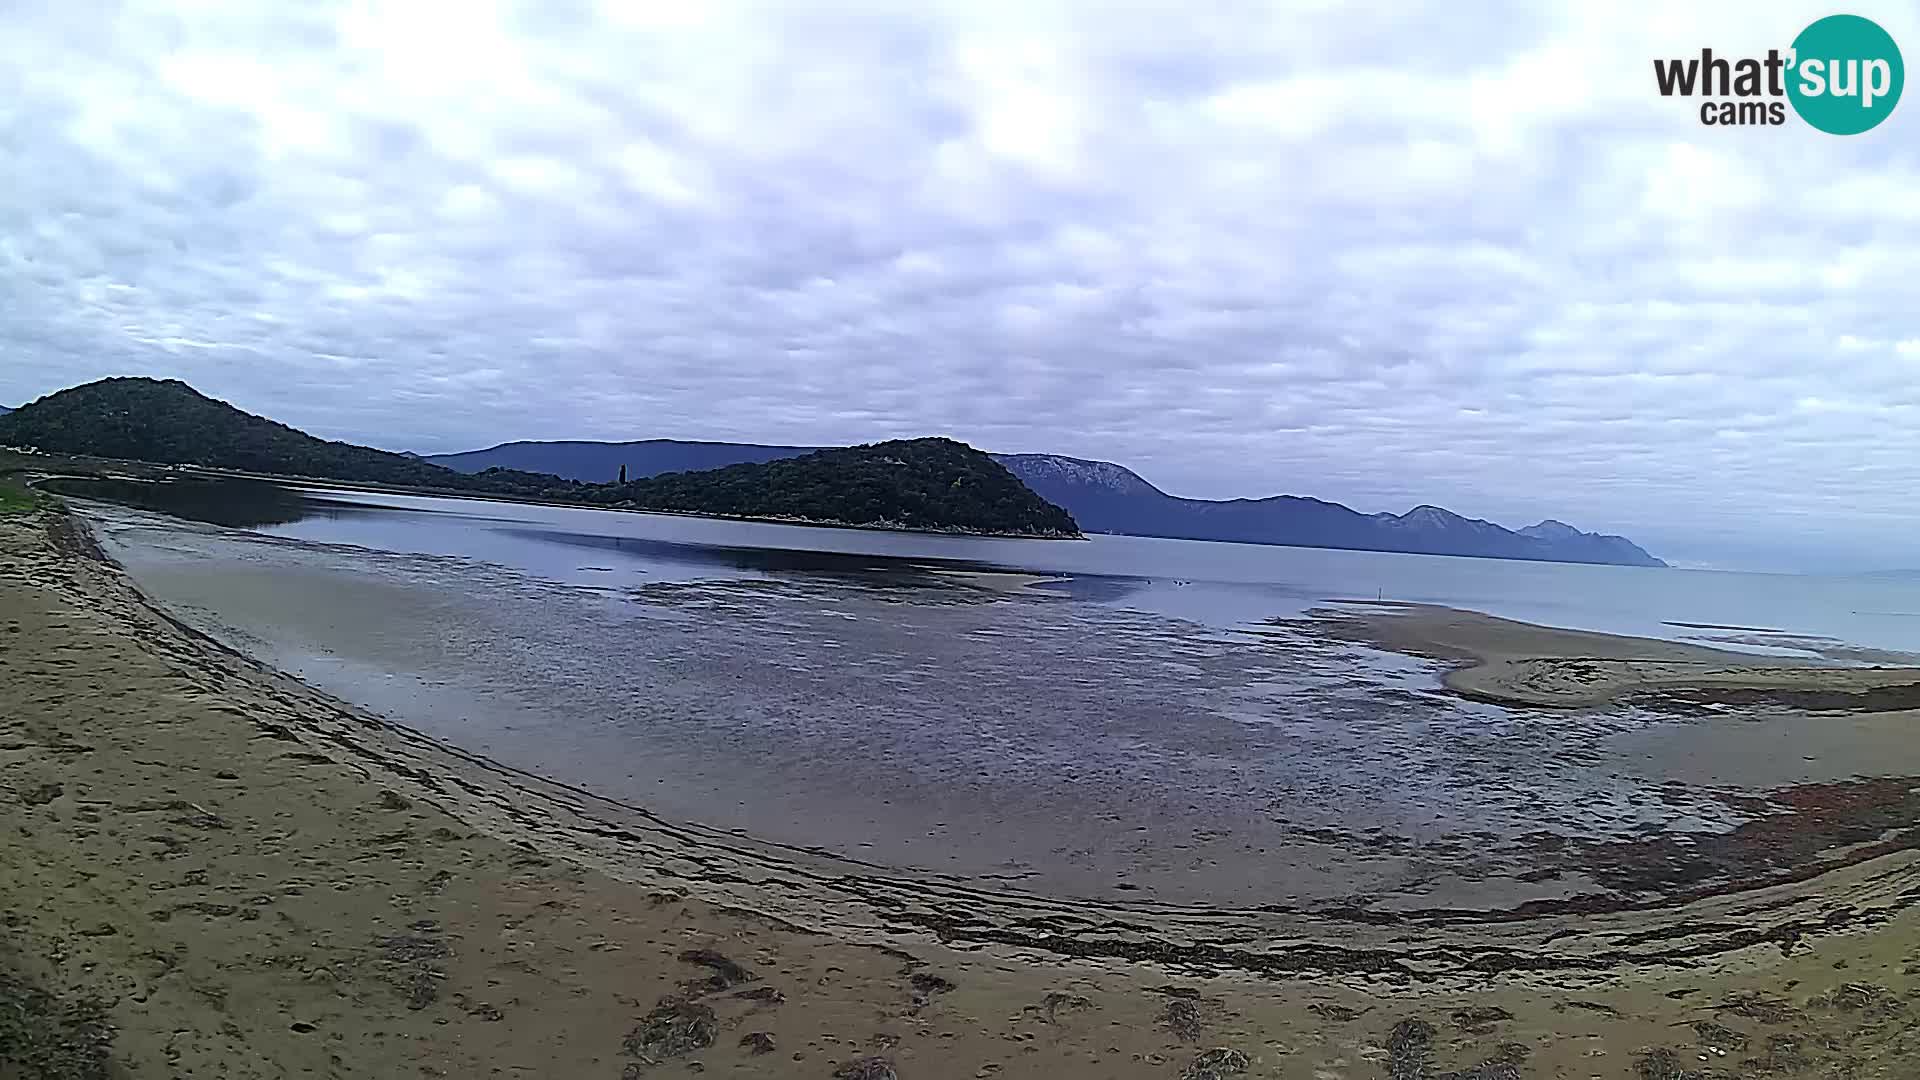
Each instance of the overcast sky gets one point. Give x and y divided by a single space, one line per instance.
1383 253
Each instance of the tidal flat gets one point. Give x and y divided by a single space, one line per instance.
231 869
938 723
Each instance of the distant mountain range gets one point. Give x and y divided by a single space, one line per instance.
600 462
1104 497
925 483
4 410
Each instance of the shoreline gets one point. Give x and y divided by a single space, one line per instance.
1504 662
1258 973
1481 673
165 472
1353 867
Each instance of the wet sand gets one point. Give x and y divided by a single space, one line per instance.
1513 663
1031 739
241 876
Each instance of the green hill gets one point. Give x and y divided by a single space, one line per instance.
910 483
920 483
171 423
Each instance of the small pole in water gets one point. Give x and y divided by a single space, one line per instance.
1379 592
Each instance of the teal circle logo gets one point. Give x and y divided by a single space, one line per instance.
1847 75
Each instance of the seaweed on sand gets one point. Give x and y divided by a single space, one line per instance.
727 973
675 1026
869 1068
43 1035
1215 1064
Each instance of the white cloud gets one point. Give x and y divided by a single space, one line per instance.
1379 253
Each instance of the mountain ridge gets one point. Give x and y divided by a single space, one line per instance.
168 422
594 462
1104 496
1101 499
928 484
933 484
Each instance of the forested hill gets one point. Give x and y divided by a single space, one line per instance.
169 422
921 483
928 483
1105 497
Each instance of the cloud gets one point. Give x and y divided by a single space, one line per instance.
1378 253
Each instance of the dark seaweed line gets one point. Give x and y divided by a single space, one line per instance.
1096 941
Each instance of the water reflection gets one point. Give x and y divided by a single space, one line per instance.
240 504
773 560
1215 584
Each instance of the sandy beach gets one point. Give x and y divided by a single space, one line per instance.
215 870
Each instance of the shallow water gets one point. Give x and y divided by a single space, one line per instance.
1100 736
1217 584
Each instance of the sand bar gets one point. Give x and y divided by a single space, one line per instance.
1514 663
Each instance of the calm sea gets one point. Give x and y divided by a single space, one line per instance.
1218 584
